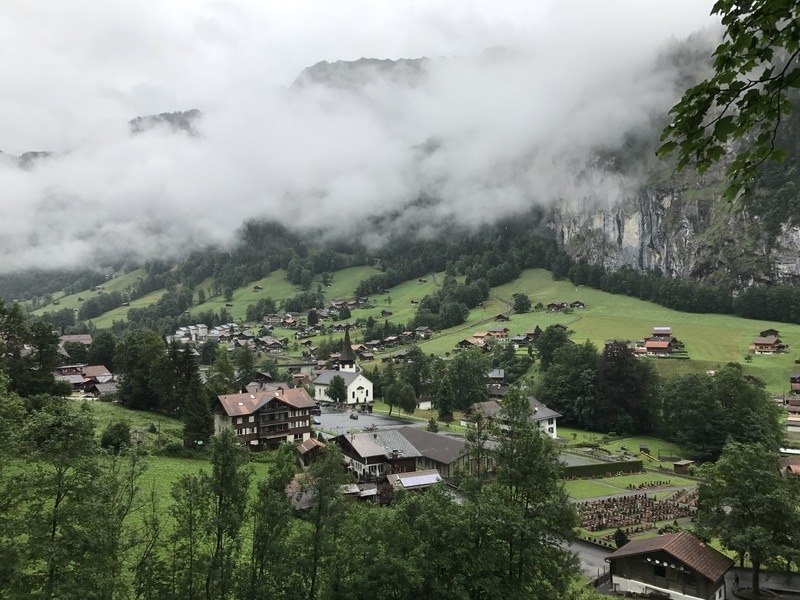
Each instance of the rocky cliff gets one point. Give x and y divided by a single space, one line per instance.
685 232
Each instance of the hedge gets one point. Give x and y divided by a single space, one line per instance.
603 469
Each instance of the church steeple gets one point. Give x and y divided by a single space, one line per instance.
347 359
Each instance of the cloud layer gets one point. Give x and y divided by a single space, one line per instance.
507 112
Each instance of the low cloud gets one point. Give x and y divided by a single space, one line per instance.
509 110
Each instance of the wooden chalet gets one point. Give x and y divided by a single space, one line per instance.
268 418
378 454
498 333
556 306
676 565
769 332
770 344
501 318
794 383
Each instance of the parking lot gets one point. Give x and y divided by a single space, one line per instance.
336 422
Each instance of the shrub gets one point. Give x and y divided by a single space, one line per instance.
116 437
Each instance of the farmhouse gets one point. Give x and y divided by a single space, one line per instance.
676 565
444 453
359 388
541 415
770 344
498 333
267 419
661 343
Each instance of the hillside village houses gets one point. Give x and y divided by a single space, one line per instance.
542 416
359 388
767 342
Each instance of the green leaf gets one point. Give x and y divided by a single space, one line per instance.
724 127
666 149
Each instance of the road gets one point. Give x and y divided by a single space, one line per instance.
592 558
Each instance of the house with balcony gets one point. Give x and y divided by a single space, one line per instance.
266 419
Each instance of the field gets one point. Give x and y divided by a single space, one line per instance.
711 340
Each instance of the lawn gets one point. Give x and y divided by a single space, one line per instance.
576 438
140 421
581 489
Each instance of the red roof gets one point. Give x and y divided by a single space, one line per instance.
656 344
237 405
686 548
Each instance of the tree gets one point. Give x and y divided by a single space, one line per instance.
466 374
570 384
201 296
116 437
102 350
312 318
77 352
222 375
747 96
401 394
620 537
136 357
626 391
522 303
745 502
337 389
244 361
550 340
198 422
443 397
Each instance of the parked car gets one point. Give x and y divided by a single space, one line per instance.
354 415
316 421
316 411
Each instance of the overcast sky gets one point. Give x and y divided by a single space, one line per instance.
512 124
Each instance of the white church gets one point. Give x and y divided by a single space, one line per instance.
359 388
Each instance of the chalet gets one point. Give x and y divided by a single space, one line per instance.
676 565
471 343
502 318
556 306
266 419
770 344
309 449
273 319
359 388
80 338
423 332
655 347
376 454
98 389
416 481
532 336
519 341
544 417
497 390
577 304
496 376
662 331
794 383
769 332
83 377
480 336
498 333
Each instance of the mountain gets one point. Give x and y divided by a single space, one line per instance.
183 121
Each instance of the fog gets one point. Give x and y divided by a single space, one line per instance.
507 111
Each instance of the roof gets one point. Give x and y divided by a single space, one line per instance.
95 371
381 443
656 344
662 330
686 548
81 338
768 340
328 374
415 479
309 445
539 410
236 405
497 374
347 355
435 446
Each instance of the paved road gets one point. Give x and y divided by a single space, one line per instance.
592 558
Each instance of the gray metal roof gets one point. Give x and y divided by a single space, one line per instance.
382 443
435 446
328 374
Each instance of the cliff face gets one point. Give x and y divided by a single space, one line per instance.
686 233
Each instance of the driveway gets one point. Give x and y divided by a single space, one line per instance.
334 422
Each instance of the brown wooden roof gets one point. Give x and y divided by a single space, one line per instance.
686 548
237 405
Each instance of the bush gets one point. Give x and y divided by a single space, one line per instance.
152 428
116 437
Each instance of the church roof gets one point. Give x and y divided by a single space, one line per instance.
347 355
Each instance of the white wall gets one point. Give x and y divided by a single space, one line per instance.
620 584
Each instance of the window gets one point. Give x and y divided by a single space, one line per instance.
366 394
252 418
354 394
298 437
240 420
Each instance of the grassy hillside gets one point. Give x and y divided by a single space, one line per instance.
711 340
117 284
